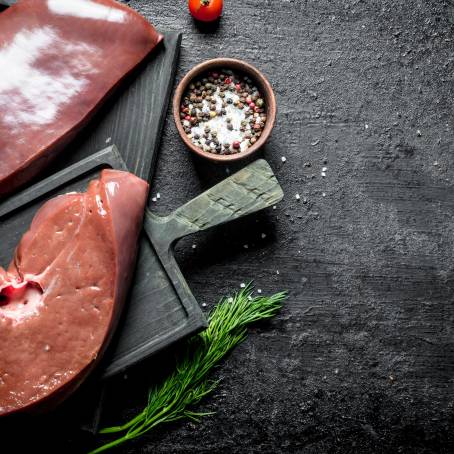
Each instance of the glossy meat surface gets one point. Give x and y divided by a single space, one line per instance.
62 294
59 60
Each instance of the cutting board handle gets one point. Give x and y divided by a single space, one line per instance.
251 189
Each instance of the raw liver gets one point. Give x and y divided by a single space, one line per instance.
59 60
63 292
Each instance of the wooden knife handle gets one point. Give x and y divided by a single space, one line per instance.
251 189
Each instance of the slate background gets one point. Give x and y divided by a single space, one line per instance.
361 358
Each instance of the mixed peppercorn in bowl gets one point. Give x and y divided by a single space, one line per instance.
224 109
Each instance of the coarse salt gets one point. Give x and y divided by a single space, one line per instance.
297 196
283 159
242 285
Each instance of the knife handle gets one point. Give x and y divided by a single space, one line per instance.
251 189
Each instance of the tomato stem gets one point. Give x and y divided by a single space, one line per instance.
204 2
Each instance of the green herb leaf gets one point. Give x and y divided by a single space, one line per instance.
189 383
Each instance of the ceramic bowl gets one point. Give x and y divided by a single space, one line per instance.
241 67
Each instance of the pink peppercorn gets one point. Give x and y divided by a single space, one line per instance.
187 117
236 144
238 87
252 105
228 80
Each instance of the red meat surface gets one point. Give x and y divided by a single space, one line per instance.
59 60
62 294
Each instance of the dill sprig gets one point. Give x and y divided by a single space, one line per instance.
175 398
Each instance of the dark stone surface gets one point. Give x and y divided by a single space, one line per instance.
361 359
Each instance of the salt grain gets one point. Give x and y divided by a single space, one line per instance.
263 235
323 174
242 285
259 290
158 195
204 304
324 169
283 159
194 246
297 196
154 199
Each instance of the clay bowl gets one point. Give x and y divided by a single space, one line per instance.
241 67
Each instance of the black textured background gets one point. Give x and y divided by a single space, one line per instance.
361 358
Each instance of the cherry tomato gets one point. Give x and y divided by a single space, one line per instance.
205 10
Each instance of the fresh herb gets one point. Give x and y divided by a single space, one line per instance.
175 398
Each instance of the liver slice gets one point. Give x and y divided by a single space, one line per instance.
59 60
63 292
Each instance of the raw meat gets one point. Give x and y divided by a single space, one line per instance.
62 294
59 60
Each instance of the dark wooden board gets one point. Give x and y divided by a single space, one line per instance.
161 308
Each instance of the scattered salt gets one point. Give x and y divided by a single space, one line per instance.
204 304
154 199
418 132
297 196
242 285
158 195
274 207
324 169
366 126
277 271
245 246
283 159
259 290
108 139
323 194
263 235
194 246
323 174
